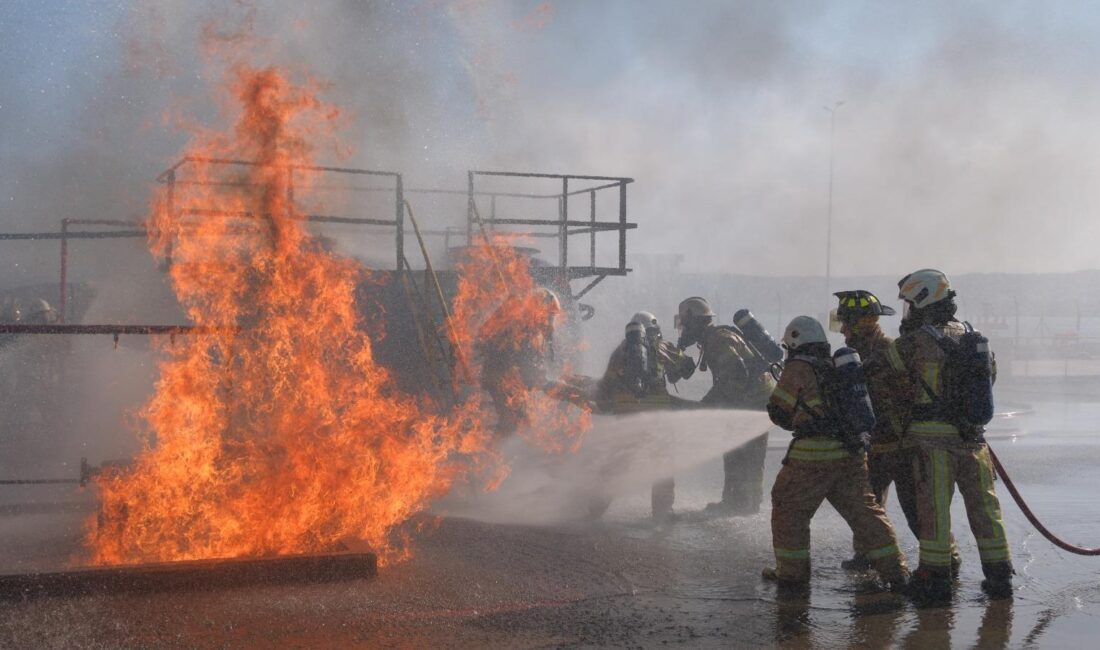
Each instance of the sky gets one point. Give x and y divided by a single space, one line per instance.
966 140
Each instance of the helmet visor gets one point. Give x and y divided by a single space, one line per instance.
677 323
835 324
905 309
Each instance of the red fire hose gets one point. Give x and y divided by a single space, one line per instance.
1054 539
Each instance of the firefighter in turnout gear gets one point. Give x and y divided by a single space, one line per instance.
890 457
824 462
740 379
640 369
951 450
636 380
513 362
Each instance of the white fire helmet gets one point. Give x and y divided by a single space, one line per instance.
803 330
551 299
924 287
645 319
694 307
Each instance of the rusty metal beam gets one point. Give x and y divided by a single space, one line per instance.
190 575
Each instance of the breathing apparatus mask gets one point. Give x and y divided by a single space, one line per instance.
689 330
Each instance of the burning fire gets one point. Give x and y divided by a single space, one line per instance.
279 433
499 311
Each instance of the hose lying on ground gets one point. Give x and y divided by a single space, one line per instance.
1054 539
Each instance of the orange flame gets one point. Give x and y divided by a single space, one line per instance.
280 433
499 313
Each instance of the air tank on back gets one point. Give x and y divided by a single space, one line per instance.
757 336
849 393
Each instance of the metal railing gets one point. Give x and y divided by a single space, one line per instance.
563 227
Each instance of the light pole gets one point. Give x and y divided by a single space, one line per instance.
829 218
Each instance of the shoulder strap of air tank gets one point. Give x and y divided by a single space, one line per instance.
931 331
745 339
818 365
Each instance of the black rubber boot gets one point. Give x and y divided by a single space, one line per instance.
901 585
857 562
998 579
786 588
930 586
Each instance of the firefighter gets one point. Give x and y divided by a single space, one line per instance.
515 358
889 459
739 380
822 463
641 367
636 380
10 311
40 312
950 450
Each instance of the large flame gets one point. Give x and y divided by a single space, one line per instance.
499 310
279 433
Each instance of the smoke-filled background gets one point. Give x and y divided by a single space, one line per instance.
964 141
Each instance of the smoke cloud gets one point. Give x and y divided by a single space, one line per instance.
964 140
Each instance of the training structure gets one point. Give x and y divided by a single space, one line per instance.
554 209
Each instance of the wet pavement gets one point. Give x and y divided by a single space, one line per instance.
620 582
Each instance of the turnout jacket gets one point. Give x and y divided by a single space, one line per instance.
739 376
617 390
890 392
796 405
919 361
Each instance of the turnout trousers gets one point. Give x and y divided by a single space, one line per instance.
840 478
743 469
895 465
938 468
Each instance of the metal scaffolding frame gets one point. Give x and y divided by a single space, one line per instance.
561 228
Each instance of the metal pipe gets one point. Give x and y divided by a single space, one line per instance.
605 225
59 328
399 219
320 218
409 190
118 234
470 207
592 220
563 229
63 297
170 205
251 163
597 188
616 179
622 224
102 222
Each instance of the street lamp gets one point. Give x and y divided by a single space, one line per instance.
829 219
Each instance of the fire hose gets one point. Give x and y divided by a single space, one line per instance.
1054 539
